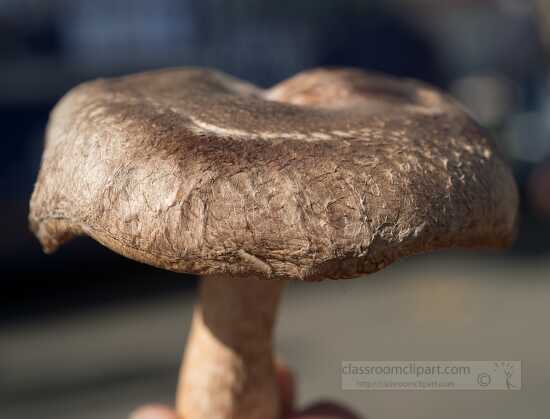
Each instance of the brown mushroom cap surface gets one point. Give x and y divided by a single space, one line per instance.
330 174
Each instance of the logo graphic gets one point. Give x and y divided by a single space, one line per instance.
508 369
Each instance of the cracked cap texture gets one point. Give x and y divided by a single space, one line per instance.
330 174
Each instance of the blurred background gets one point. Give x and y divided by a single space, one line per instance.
86 333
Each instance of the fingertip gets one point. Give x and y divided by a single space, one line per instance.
285 381
326 410
153 411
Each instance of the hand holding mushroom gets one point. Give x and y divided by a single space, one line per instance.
330 174
285 383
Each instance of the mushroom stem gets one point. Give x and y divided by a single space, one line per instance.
228 368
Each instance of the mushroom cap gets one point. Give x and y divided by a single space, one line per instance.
330 174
